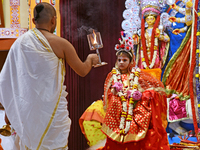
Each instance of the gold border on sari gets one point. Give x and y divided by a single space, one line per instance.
130 137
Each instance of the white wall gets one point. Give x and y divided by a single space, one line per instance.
24 13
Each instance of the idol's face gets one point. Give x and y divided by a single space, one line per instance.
150 20
123 63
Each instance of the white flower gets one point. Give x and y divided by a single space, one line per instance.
130 110
128 124
154 57
138 69
124 106
122 121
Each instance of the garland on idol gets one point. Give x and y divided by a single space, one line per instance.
154 57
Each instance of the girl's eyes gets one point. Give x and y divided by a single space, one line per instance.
124 60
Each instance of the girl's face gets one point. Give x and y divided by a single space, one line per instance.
123 63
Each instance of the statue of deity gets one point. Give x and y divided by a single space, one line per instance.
150 42
153 42
161 37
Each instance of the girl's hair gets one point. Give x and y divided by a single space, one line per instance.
125 53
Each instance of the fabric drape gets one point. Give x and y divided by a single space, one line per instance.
104 16
176 79
31 61
147 129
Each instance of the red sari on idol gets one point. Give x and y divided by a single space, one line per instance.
147 129
176 75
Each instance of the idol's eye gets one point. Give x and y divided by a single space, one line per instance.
119 60
124 60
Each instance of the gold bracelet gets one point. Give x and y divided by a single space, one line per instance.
178 20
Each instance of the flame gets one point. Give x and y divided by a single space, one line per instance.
95 37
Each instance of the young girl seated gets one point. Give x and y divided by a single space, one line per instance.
135 106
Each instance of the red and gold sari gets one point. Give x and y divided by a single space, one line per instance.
176 75
147 129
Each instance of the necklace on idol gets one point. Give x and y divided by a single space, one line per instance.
153 47
153 60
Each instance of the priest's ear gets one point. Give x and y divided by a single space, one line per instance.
53 20
33 19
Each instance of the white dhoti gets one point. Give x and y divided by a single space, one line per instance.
33 95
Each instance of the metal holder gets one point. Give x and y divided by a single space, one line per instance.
95 43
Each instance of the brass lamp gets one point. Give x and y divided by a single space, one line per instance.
5 130
95 43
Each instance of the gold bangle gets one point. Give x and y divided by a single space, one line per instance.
178 20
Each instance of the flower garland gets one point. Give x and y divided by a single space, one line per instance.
130 93
153 60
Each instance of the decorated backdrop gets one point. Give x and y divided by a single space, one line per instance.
77 17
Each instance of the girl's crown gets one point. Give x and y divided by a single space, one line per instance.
126 44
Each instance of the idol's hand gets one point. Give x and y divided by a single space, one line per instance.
135 39
157 32
189 4
173 6
176 31
172 19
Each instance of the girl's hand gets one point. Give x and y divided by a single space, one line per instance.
113 90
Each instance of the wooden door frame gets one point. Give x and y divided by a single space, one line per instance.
2 24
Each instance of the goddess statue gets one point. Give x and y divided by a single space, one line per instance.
151 40
153 46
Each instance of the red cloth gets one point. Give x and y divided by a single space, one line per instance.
149 118
1 148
